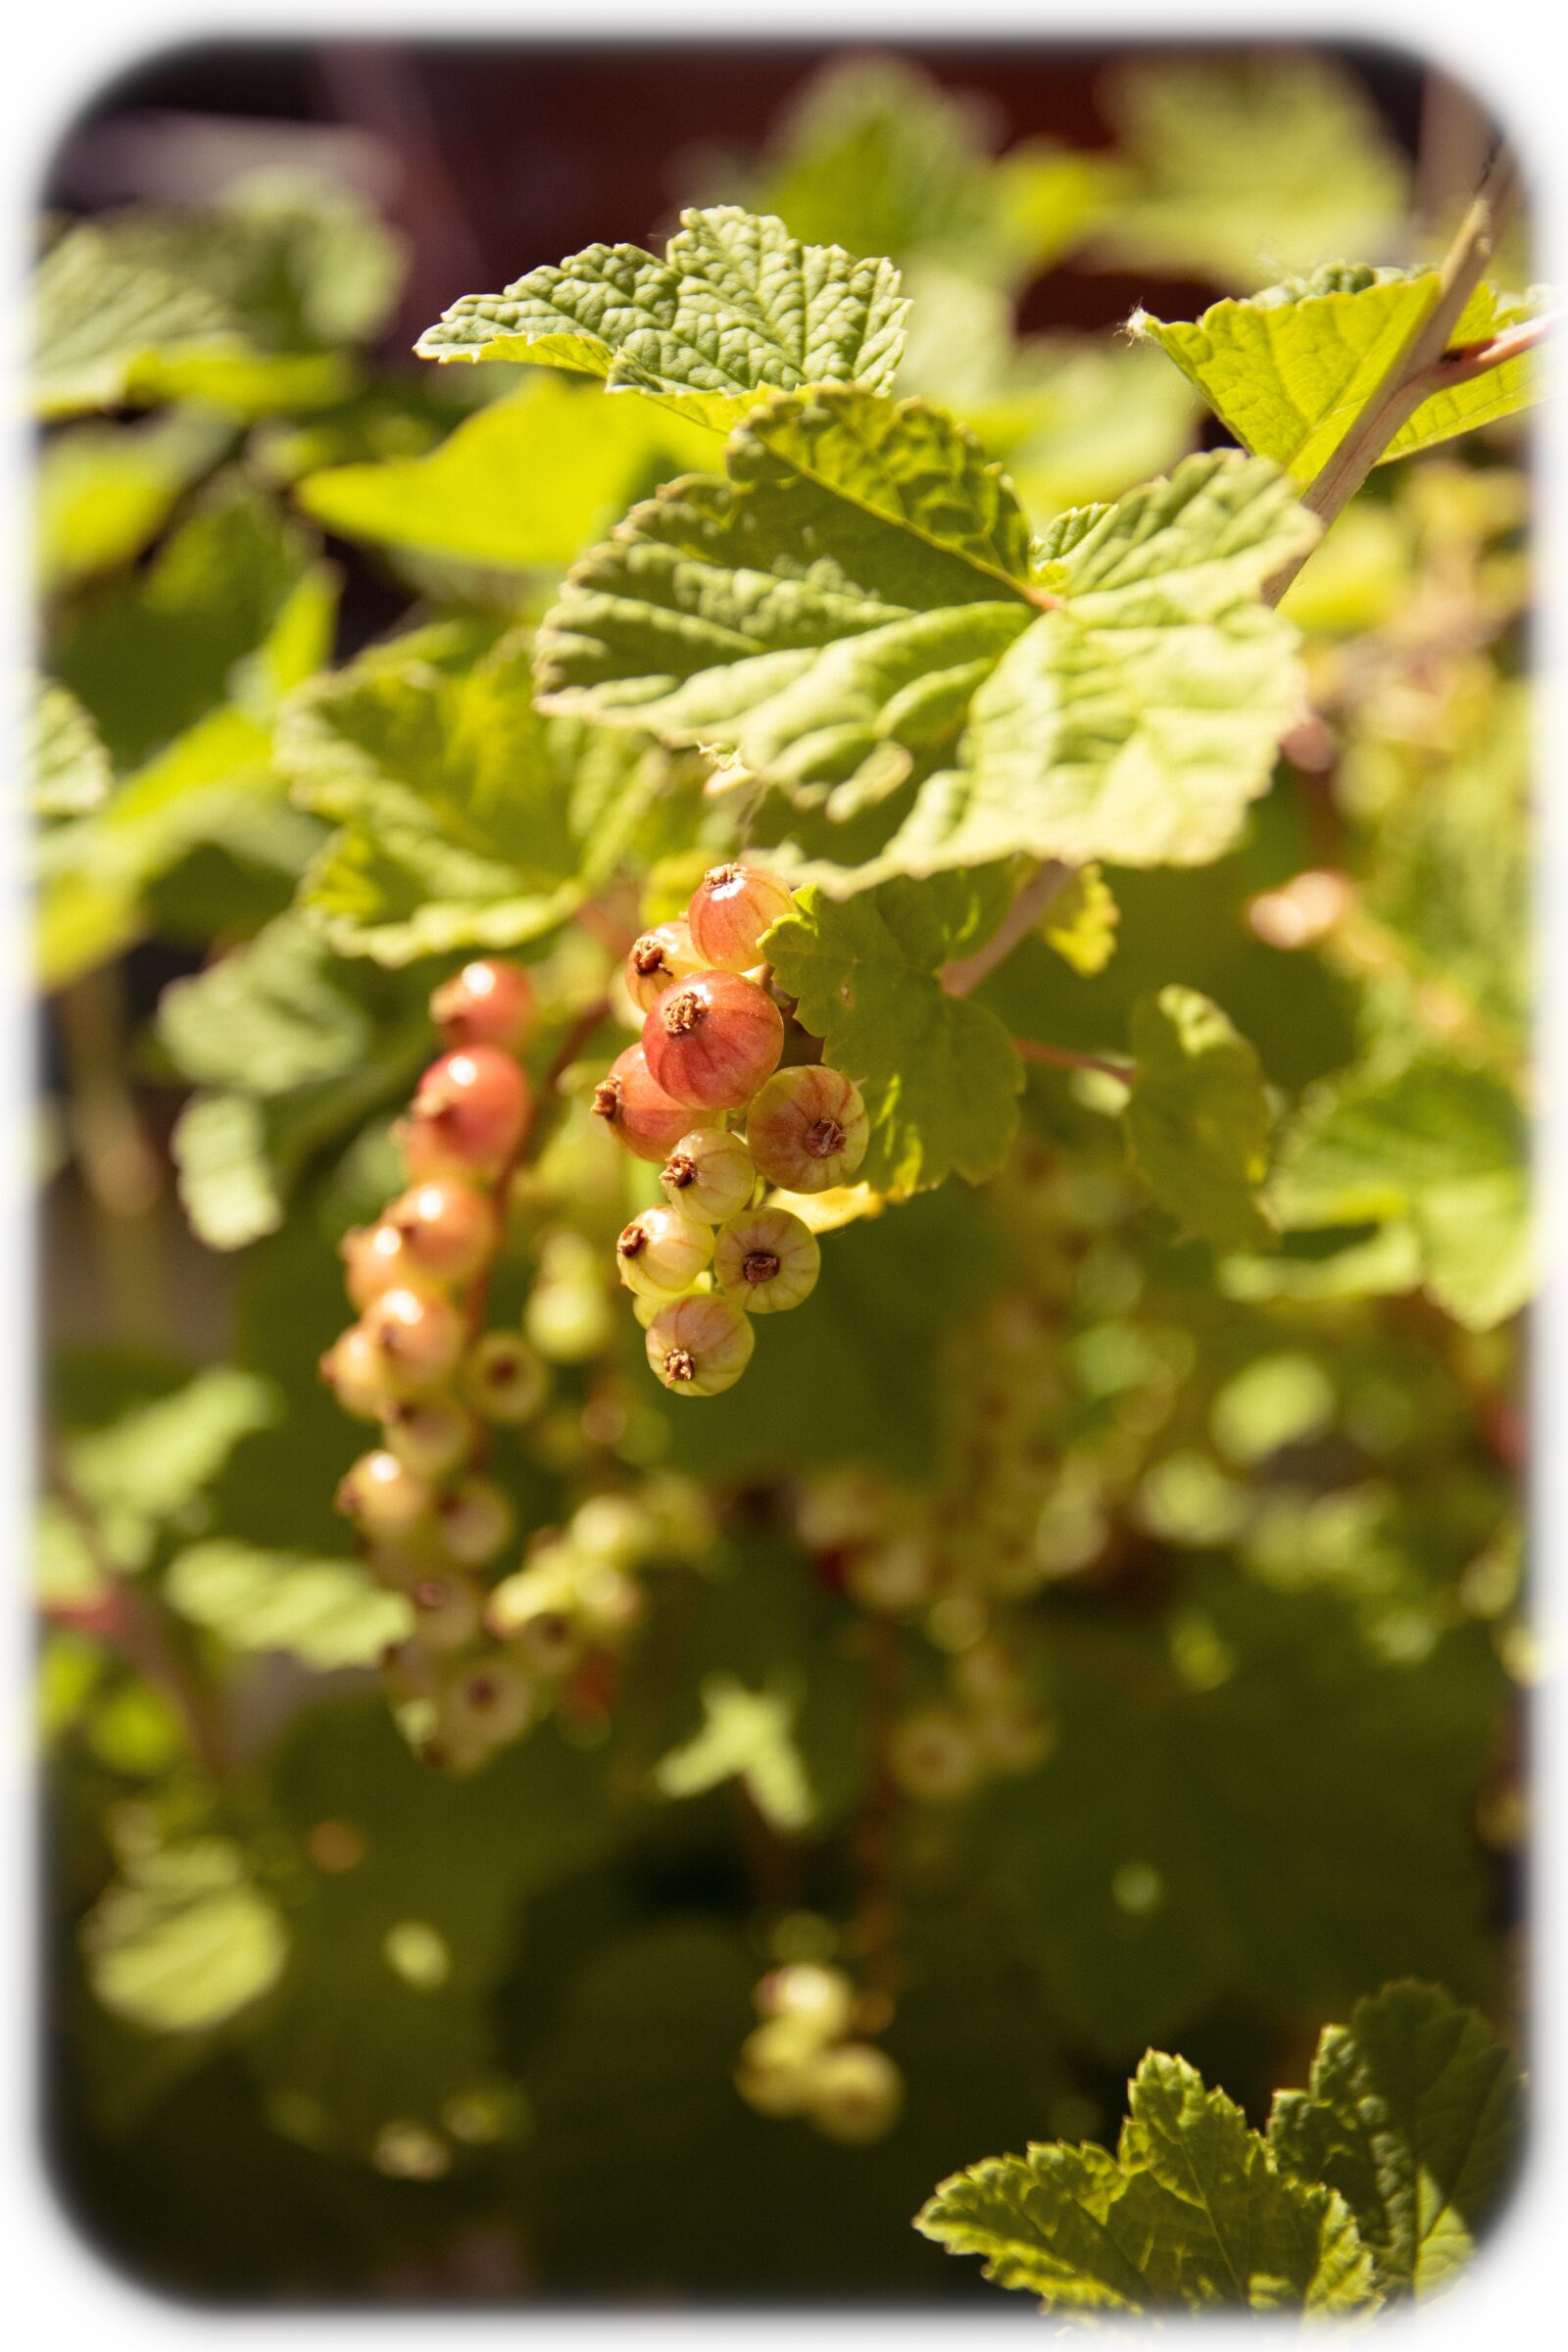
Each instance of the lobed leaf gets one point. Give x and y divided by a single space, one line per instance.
855 607
940 1075
1289 370
185 1940
1438 1145
72 775
736 308
326 1613
1198 1118
1413 2114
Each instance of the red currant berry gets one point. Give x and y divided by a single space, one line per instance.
433 1435
807 1128
447 1612
855 2093
657 960
491 1703
354 1370
709 1174
504 1380
661 1253
766 1259
476 1518
636 1108
467 1116
417 1337
487 1003
449 1229
711 1041
730 909
698 1346
383 1495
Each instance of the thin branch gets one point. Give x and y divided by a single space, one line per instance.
1042 885
1061 1058
1461 363
1404 383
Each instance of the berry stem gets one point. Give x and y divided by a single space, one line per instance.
967 972
874 1936
1062 1058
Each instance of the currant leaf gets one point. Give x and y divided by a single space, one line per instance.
736 308
1290 370
72 775
185 1940
326 1613
1198 1118
940 1075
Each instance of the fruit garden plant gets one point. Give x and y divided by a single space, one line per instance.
899 1116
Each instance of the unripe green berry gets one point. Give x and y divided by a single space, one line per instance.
710 1174
893 1577
447 1612
432 1434
503 1379
773 2073
491 1702
383 1495
807 1128
855 2093
819 2000
476 1519
698 1346
932 1755
766 1260
661 1253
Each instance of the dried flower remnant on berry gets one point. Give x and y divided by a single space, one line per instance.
713 1041
766 1259
807 1128
699 1346
731 909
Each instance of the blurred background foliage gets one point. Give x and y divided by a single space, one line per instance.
324 2025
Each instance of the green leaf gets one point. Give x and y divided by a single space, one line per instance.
184 1940
1249 163
1439 1145
878 154
1413 2114
147 1470
326 1613
71 771
1197 1117
1080 922
1290 370
298 1048
468 818
736 308
1191 2213
940 1075
746 1736
240 306
105 491
1133 720
528 482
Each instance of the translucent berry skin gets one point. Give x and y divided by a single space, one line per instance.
467 1118
710 1174
492 1703
932 1755
383 1495
417 1337
474 1519
636 1108
661 1253
807 1128
711 1042
766 1260
504 1380
448 1228
773 2075
729 912
700 1347
489 1003
819 2000
447 1612
354 1370
433 1436
376 1259
657 961
855 2093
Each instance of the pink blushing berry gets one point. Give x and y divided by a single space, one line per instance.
711 1041
699 1346
729 912
807 1128
636 1109
489 1003
657 961
467 1116
449 1229
417 1337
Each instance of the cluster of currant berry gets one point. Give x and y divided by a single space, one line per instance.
418 1361
720 1251
800 2060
